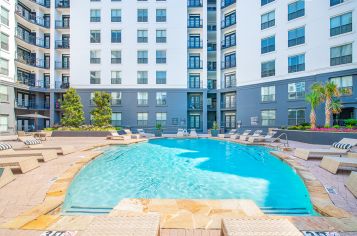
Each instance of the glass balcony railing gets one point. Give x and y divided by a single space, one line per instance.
59 65
31 39
194 3
62 44
63 4
226 3
59 24
32 18
32 61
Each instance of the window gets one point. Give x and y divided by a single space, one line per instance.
142 118
296 90
230 80
296 9
142 57
160 15
94 56
296 63
268 69
229 60
268 117
4 96
142 15
265 2
4 123
115 57
341 24
296 116
344 83
341 55
4 66
335 2
229 40
116 98
116 15
116 78
95 36
268 94
194 81
268 20
94 15
143 98
116 36
4 42
116 119
161 118
160 56
194 21
268 44
161 36
229 20
142 77
161 98
95 77
296 36
142 36
4 16
160 77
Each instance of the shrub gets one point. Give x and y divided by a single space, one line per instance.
73 114
336 126
351 122
102 113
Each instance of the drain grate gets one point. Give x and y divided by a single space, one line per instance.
331 190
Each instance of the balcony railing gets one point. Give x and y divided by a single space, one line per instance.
228 105
195 105
211 66
211 47
226 3
26 80
62 85
30 39
116 60
228 64
62 44
59 24
32 61
20 11
44 3
195 64
29 104
42 84
194 23
194 3
192 44
62 4
62 66
211 84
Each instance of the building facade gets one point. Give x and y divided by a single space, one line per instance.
183 64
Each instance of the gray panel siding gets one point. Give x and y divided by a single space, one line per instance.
249 100
7 109
176 107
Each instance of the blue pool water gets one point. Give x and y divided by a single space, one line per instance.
188 168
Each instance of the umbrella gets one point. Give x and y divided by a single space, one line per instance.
34 116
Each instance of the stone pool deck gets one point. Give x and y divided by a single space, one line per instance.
33 200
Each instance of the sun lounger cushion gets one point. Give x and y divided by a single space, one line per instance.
342 145
32 142
5 146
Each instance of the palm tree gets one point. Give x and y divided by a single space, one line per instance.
331 91
336 106
314 98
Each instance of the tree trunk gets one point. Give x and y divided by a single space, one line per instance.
328 112
313 118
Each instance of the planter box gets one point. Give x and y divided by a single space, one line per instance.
214 132
316 137
80 133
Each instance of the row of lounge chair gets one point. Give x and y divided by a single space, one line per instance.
248 136
27 158
126 134
184 133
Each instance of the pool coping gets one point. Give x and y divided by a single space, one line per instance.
48 212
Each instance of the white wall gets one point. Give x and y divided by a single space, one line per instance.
176 45
317 39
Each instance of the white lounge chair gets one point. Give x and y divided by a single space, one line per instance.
34 144
6 176
351 183
129 133
261 138
23 164
306 154
116 136
229 134
335 163
193 133
256 133
181 133
237 135
42 155
142 134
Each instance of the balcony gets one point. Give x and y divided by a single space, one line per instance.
30 104
42 84
26 80
194 106
31 61
194 44
211 47
227 44
62 44
30 39
228 105
228 64
211 66
194 23
59 24
29 17
63 4
194 3
43 3
211 84
227 3
195 64
62 85
59 65
228 23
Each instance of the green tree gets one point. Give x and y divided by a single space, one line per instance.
102 113
315 99
73 115
330 91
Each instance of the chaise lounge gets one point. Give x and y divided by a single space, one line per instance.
142 134
23 164
261 138
237 135
256 133
229 134
335 163
339 149
116 136
6 150
34 144
193 133
6 176
181 133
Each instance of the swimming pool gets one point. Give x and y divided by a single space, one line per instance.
188 168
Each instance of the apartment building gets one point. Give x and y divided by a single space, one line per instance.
184 64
